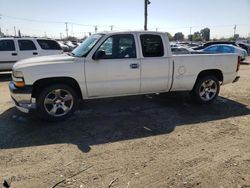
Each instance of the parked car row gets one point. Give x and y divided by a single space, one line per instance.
15 49
210 48
68 46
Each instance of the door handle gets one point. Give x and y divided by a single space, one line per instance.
35 53
134 66
14 54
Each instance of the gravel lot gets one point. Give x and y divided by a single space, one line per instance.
142 141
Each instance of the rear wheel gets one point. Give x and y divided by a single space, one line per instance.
206 89
57 102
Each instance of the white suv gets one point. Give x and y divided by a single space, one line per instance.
15 49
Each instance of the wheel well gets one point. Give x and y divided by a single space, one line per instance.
213 72
39 85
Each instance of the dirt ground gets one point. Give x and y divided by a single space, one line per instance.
132 142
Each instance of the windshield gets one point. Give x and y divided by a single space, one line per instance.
86 46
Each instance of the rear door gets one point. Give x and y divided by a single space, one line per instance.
155 63
27 48
117 72
8 54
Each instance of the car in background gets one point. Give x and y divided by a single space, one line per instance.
182 50
245 46
213 43
225 48
15 49
71 45
64 47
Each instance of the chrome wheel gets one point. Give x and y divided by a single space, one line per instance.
208 90
58 102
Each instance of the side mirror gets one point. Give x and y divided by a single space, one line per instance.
99 54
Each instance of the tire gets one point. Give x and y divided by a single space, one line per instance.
57 102
206 90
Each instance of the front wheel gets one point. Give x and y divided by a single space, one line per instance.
206 89
57 102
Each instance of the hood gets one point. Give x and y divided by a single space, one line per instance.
52 59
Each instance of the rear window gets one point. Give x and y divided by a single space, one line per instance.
152 46
26 45
7 45
48 44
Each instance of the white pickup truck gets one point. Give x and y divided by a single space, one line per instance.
117 64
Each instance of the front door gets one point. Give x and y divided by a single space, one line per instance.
114 68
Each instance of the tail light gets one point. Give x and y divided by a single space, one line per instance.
238 64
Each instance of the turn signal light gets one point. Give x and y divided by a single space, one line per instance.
19 84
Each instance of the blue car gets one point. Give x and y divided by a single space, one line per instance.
225 48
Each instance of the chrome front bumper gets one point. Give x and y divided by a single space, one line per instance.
22 98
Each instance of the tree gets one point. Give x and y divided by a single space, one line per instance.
205 33
178 36
70 38
197 36
170 37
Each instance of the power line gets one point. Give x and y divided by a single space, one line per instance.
47 21
30 20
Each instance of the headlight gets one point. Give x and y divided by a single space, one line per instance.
17 77
17 74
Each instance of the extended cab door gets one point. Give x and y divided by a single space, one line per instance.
155 63
116 70
8 54
27 49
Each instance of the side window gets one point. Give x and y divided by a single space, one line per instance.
212 49
7 45
152 46
107 46
119 47
174 49
26 45
184 51
226 49
48 44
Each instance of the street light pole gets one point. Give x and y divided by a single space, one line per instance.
146 3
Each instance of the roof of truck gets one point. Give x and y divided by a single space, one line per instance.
149 32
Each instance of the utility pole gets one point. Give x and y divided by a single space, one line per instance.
156 29
235 27
96 29
111 27
191 37
15 30
61 36
146 3
67 31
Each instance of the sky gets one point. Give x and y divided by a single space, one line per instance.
48 17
